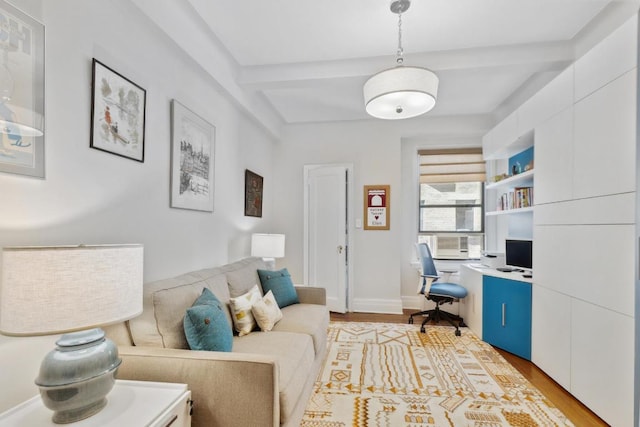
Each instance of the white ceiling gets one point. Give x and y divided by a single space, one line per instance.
306 60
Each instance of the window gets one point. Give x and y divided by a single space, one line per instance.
451 216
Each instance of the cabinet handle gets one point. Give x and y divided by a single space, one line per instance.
504 314
171 421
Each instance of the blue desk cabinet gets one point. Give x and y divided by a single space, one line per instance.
506 315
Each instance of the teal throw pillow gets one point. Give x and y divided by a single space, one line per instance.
206 326
280 284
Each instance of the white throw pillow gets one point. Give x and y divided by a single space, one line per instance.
266 312
243 320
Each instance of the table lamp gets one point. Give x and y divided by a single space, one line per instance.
268 246
72 290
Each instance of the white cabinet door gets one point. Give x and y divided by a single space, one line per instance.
554 159
552 99
602 363
594 263
551 344
612 57
605 140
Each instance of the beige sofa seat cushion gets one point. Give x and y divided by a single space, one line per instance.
309 319
294 354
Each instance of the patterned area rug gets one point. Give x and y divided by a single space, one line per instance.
390 375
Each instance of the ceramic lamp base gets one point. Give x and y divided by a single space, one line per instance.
77 375
73 415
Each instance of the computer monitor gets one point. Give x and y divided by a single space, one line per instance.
518 253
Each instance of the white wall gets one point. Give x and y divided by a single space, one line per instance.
374 151
382 152
92 197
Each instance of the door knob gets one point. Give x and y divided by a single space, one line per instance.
340 248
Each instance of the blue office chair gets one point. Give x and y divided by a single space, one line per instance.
438 292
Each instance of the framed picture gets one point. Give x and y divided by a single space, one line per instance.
117 114
377 207
192 160
252 194
21 93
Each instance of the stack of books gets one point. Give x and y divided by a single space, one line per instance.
519 197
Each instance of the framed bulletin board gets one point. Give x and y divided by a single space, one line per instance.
377 207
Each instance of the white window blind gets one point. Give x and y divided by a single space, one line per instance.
453 165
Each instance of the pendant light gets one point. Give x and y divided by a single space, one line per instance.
400 92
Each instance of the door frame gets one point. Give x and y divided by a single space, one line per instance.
350 226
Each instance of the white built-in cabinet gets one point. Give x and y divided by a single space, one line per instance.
584 227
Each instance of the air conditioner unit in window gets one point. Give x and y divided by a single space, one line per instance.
452 247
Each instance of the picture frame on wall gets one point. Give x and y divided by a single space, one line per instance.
117 113
377 207
192 160
253 188
21 93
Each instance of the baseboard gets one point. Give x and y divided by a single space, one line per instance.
371 305
413 302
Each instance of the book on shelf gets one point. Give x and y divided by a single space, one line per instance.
519 197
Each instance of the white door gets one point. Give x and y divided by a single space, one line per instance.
326 254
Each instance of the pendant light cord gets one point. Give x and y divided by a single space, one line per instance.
400 58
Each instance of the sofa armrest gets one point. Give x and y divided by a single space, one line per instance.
312 295
228 389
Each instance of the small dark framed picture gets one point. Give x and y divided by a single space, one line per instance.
252 194
117 113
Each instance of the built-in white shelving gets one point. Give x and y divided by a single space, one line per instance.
510 211
524 179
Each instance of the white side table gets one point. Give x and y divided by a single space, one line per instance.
130 403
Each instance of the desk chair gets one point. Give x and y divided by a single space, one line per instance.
438 292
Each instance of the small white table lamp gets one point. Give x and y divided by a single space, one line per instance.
51 290
269 247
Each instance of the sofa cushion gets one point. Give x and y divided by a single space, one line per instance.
243 276
240 307
279 282
294 354
309 319
165 303
266 312
206 326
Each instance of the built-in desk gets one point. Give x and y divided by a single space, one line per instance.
498 307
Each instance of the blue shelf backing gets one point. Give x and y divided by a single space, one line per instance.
521 162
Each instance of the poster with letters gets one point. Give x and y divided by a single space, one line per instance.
376 207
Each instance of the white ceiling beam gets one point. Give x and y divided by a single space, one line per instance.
544 57
185 27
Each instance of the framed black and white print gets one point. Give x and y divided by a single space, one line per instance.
192 160
117 113
21 93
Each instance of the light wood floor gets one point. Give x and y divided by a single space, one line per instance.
579 414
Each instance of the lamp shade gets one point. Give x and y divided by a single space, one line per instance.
267 245
401 92
47 290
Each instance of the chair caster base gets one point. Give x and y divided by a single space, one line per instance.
422 330
411 320
458 332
